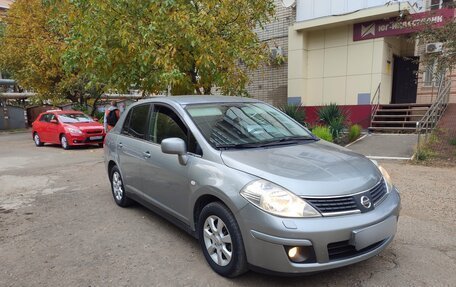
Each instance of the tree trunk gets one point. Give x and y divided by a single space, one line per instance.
95 102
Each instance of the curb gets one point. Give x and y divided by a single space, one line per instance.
359 139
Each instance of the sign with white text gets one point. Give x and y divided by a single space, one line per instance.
396 26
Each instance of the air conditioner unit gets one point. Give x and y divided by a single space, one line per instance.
434 48
276 52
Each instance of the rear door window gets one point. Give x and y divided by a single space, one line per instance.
45 118
136 122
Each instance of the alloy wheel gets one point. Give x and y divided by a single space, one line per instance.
117 186
217 240
64 142
37 139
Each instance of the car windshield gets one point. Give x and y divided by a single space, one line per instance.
244 125
75 118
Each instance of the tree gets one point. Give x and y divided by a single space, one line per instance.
190 46
33 44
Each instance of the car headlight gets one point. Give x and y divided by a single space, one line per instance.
74 131
277 200
386 176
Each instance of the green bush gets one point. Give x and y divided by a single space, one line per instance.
424 153
295 112
334 117
453 141
331 112
323 132
336 126
354 132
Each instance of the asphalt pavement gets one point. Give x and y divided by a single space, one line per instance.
386 146
59 226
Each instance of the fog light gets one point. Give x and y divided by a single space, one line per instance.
300 254
292 252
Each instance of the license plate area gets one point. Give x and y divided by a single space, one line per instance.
367 236
96 138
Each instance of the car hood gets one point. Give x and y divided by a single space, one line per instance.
309 169
85 126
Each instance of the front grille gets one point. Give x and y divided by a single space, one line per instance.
349 204
339 204
378 192
94 132
343 250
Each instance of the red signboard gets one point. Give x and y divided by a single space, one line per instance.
396 26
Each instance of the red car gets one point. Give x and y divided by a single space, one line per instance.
67 128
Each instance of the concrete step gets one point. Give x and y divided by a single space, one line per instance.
393 129
402 110
394 122
398 116
393 106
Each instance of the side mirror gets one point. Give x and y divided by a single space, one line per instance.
175 146
53 121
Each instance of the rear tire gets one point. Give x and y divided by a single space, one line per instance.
64 142
118 190
221 240
37 139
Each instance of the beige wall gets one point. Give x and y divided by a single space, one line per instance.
328 66
5 3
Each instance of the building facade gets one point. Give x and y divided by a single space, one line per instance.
351 51
269 82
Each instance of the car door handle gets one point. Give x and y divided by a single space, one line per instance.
146 154
120 145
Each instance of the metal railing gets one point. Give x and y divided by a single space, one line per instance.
375 102
433 115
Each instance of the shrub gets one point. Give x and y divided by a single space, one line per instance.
333 116
323 132
354 132
336 126
331 112
424 153
295 112
452 141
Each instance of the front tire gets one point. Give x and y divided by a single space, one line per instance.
221 240
37 139
118 190
64 142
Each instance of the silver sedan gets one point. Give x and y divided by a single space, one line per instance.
258 190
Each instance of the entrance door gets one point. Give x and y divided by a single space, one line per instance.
404 80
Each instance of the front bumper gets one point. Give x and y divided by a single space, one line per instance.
266 236
85 139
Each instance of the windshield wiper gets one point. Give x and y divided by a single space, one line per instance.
296 138
236 146
281 141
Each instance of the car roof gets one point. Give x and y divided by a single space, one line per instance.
61 112
189 100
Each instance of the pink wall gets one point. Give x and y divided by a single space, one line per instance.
356 114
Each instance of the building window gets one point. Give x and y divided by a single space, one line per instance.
429 75
439 4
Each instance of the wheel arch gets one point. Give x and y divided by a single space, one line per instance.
209 196
111 164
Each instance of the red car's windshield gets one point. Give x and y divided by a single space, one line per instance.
75 118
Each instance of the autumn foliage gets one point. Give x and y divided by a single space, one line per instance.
71 49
